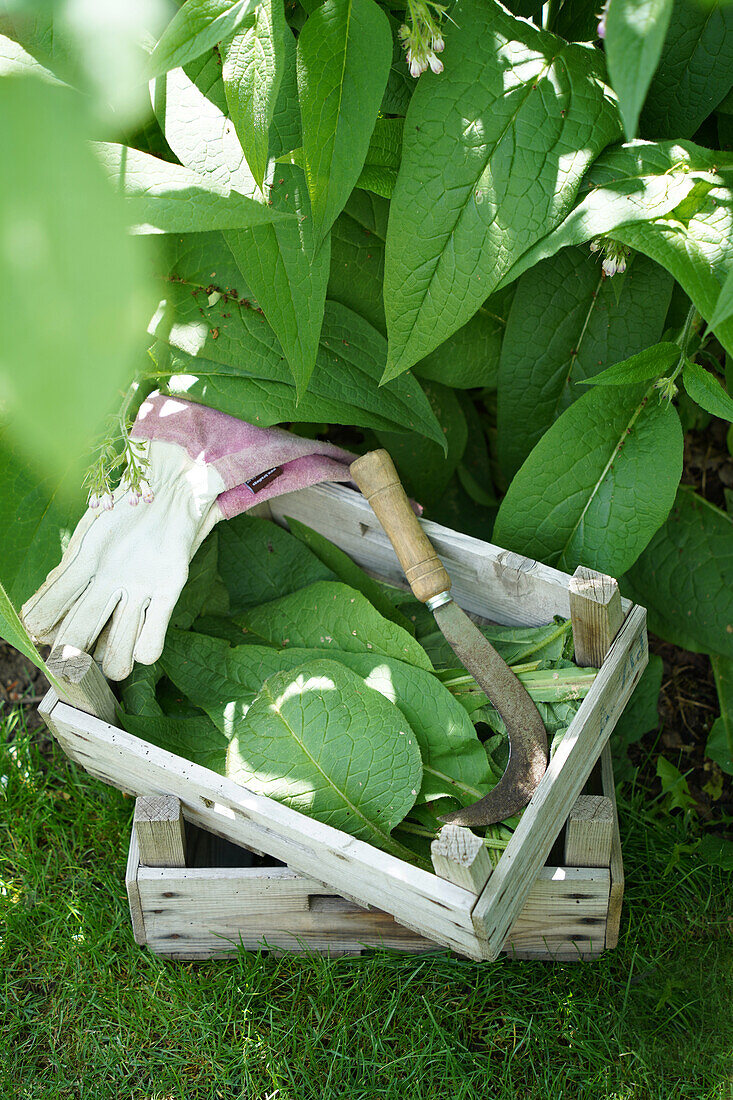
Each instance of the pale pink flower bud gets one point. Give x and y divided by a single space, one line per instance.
596 245
134 499
438 44
415 67
147 493
108 502
94 501
435 63
610 266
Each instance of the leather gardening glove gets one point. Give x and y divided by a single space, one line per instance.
124 568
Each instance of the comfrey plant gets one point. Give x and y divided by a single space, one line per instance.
497 240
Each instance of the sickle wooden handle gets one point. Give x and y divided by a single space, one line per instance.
378 480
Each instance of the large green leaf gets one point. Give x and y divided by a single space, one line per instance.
598 485
194 738
382 162
279 262
357 257
332 616
695 244
227 355
649 363
635 31
344 56
704 388
314 739
341 566
470 357
492 157
195 28
259 561
685 577
253 66
13 631
695 70
424 468
17 61
37 517
161 197
567 323
75 293
224 682
628 183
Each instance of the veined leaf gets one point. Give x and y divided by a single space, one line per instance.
166 198
566 323
339 564
474 192
470 357
628 183
225 682
253 66
635 33
278 261
332 616
685 577
694 71
649 363
259 562
357 257
724 306
382 163
226 355
424 467
14 60
344 56
695 244
598 485
194 738
314 739
195 28
706 390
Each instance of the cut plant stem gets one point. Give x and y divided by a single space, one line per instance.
420 830
550 685
454 782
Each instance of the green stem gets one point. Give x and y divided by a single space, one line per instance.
419 830
683 340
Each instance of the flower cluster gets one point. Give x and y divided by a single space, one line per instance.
614 255
110 457
422 37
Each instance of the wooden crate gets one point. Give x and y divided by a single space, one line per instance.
194 896
467 905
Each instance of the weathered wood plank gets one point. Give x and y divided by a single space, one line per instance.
589 832
83 682
615 901
461 857
506 891
205 913
159 827
133 893
487 580
596 613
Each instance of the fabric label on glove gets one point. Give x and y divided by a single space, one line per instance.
257 483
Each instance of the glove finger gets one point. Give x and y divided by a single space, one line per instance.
120 641
100 648
152 636
55 599
85 621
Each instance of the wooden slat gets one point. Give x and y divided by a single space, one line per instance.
597 614
613 919
83 682
203 913
487 580
159 827
133 893
589 832
460 856
506 891
351 867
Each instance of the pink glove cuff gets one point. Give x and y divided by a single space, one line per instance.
254 463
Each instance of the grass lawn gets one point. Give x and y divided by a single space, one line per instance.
90 1014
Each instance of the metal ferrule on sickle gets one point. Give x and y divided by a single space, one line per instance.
377 478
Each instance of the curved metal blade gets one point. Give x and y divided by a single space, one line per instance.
526 730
